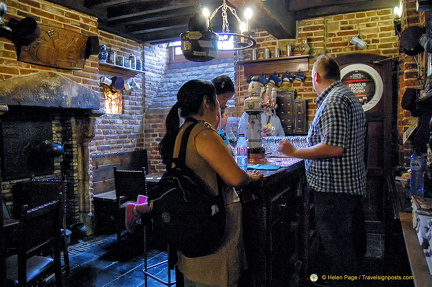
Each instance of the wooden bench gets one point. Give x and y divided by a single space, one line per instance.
104 199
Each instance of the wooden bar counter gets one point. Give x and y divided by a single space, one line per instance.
277 229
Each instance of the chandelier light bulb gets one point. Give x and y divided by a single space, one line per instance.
206 12
248 13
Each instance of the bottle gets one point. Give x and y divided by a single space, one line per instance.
138 64
223 136
111 56
417 167
242 152
132 59
103 54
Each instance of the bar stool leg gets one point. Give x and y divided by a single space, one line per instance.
145 256
147 268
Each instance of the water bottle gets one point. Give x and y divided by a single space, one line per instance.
242 152
417 167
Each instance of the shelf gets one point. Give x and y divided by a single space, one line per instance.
276 65
114 69
273 59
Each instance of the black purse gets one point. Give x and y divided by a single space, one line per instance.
185 212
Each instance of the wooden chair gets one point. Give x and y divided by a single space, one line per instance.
128 185
39 244
38 192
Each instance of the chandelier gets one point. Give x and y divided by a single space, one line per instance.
200 43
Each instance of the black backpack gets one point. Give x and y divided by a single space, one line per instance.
185 212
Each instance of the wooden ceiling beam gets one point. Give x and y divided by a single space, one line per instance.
273 16
342 9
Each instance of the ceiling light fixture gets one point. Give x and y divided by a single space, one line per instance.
200 43
243 40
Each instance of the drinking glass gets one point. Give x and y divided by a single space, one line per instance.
232 130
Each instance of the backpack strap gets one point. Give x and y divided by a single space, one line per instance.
183 145
185 137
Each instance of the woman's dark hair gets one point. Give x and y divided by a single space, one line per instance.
190 98
223 84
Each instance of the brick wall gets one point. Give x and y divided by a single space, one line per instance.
161 92
332 34
324 35
112 132
109 137
52 15
410 75
121 132
131 131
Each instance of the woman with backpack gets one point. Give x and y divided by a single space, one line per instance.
210 158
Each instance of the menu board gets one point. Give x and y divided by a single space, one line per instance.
365 82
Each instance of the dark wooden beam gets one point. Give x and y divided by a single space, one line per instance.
154 16
123 12
164 36
296 5
272 16
342 9
103 3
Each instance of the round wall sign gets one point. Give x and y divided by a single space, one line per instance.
365 82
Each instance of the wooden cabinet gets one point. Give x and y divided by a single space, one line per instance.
276 229
292 113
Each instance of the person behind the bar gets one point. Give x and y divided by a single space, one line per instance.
208 156
225 91
270 124
335 170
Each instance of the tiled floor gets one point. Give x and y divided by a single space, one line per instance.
105 262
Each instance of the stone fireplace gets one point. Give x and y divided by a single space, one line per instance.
42 108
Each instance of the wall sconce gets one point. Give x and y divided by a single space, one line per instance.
21 32
358 42
115 82
397 11
112 90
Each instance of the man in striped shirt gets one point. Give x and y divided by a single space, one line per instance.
335 170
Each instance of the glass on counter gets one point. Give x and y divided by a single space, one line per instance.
232 130
271 144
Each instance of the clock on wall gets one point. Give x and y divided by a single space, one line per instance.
365 82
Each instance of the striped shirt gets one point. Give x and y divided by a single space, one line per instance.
339 121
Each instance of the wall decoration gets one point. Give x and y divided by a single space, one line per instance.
365 82
59 48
